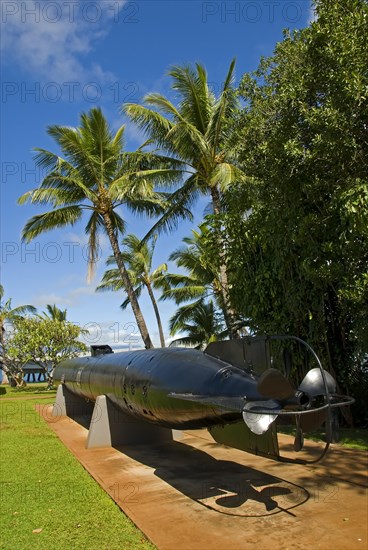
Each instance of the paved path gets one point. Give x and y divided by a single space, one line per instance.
193 494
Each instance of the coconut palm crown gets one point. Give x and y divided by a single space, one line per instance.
95 175
196 132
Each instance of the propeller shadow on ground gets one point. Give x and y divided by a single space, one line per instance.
223 486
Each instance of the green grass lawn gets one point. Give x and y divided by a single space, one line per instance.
44 487
34 389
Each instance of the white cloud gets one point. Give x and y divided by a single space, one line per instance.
87 290
42 300
52 39
70 298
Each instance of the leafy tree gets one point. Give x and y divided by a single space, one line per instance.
298 251
201 323
96 176
196 132
46 342
137 256
8 315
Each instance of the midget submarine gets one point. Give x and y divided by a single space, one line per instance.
230 383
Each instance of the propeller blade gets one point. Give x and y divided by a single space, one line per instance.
312 420
273 384
256 419
313 383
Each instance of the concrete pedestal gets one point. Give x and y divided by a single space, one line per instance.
110 427
68 404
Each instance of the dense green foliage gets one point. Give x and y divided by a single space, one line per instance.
298 230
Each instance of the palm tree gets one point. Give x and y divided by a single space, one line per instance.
9 315
201 324
95 175
137 256
54 313
196 133
202 280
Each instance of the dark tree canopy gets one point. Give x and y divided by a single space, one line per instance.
298 229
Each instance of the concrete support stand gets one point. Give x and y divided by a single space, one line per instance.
110 427
68 404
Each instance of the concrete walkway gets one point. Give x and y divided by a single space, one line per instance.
193 494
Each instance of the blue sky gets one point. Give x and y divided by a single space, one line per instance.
63 57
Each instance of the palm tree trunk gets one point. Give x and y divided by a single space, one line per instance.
229 312
127 283
157 313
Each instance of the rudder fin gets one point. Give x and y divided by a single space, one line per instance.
239 436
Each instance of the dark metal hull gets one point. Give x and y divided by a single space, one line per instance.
140 384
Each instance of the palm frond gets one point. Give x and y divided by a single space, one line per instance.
187 341
94 225
74 148
118 140
195 98
229 80
147 207
177 279
111 281
23 310
151 123
184 293
163 104
118 223
41 223
224 174
223 111
182 315
159 272
200 322
138 290
178 208
188 143
53 196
